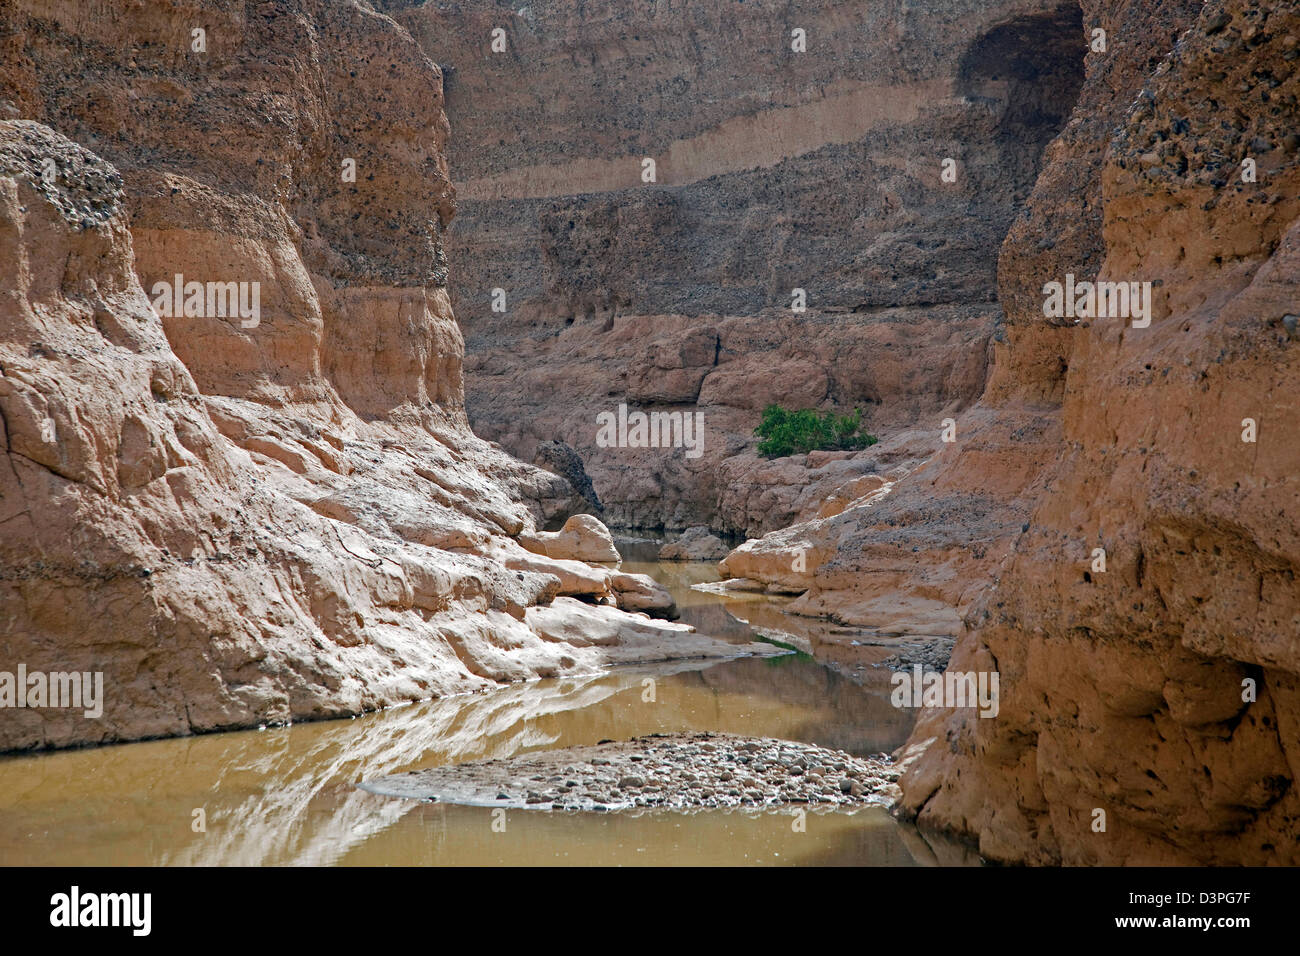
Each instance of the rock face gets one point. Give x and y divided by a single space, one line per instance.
269 514
640 592
255 509
1158 689
1162 690
775 170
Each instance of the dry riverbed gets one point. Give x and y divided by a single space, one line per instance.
685 771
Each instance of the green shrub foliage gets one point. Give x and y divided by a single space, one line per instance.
791 433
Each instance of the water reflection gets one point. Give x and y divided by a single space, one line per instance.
288 795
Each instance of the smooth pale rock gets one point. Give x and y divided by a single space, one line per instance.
640 592
624 638
583 538
580 624
747 585
783 562
249 522
574 576
695 544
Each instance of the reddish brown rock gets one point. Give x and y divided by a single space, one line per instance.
1158 690
775 171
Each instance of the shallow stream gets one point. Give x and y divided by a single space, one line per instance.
287 795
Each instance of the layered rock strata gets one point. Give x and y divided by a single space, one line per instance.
911 544
265 504
819 169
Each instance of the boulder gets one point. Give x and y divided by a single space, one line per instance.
695 544
583 538
640 592
575 577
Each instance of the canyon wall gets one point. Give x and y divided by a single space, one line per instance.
1148 710
775 170
910 552
262 515
293 518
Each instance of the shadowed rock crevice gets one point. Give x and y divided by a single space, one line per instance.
1032 67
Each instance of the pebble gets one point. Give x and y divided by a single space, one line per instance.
686 771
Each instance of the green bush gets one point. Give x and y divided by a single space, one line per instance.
790 433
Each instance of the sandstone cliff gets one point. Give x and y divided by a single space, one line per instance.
912 556
820 170
1122 689
1130 691
1158 691
264 516
294 519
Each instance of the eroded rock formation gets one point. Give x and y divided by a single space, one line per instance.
1125 691
1163 691
264 515
775 170
293 519
919 541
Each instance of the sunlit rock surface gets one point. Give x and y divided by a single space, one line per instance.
264 516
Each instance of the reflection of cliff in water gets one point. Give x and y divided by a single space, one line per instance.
287 795
279 796
835 711
830 710
280 824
